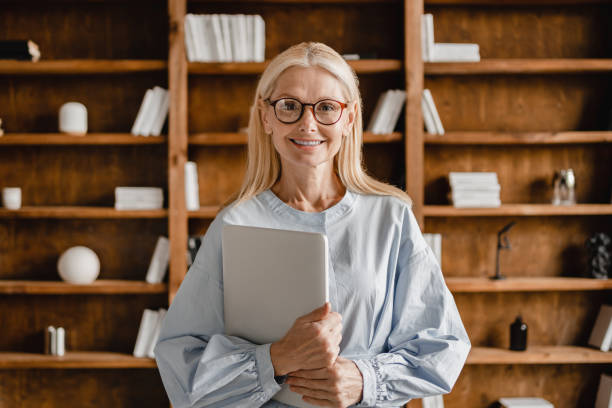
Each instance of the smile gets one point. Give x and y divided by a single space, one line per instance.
307 142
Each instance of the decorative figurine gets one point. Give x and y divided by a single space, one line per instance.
500 246
73 119
564 187
598 247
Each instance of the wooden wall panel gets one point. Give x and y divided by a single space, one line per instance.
554 31
550 246
82 388
30 248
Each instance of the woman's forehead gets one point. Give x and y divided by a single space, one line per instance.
308 82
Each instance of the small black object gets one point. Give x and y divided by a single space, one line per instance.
280 379
600 261
518 335
500 246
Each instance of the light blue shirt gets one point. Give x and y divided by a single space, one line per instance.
400 323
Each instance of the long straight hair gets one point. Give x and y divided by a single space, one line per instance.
263 162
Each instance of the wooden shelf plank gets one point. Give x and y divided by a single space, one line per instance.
74 359
99 287
365 66
80 212
525 284
518 138
520 66
539 355
80 66
205 212
513 2
226 138
518 210
45 139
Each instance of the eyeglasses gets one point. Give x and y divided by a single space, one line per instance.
289 110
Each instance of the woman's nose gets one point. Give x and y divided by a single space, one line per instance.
308 123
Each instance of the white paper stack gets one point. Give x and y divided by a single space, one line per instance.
435 243
148 332
601 335
474 189
525 403
139 198
225 38
192 189
444 52
159 261
604 392
434 401
152 113
387 111
431 118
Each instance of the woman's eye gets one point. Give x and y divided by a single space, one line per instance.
289 106
326 107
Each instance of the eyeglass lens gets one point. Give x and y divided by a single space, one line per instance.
326 111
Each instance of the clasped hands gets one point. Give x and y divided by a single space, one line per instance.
308 353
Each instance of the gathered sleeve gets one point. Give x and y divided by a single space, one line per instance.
199 365
428 345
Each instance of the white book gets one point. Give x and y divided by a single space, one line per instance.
208 50
190 38
138 206
145 332
192 190
379 120
376 113
525 403
146 101
477 204
250 19
398 103
162 113
260 39
604 392
159 261
387 112
449 52
601 335
200 38
161 313
472 178
138 192
151 112
427 34
226 33
235 37
434 112
243 41
430 126
218 43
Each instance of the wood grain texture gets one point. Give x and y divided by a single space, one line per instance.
76 67
517 138
539 355
228 138
365 66
73 212
99 287
528 284
73 360
520 66
519 210
103 139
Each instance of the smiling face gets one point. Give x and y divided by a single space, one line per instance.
306 142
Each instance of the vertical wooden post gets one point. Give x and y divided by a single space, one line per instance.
413 63
177 146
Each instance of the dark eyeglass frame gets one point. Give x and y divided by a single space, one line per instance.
273 104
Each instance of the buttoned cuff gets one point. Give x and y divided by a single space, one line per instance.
265 370
369 383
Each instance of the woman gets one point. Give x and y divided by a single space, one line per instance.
394 333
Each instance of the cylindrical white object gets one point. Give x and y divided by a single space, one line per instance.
60 347
79 265
192 191
73 118
50 340
11 198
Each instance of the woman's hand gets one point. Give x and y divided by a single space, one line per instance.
312 342
337 386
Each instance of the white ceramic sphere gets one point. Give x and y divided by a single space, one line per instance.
79 265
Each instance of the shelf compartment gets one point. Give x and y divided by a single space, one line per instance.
80 212
205 212
524 284
252 68
45 139
80 66
226 139
520 66
539 355
99 287
74 359
518 210
518 138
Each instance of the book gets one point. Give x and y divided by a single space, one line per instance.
161 114
260 39
399 99
428 120
525 403
190 46
148 322
138 198
19 50
427 37
434 112
467 178
226 33
192 190
161 313
217 38
449 52
159 261
387 111
151 111
604 392
146 102
601 335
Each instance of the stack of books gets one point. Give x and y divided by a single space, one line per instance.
19 50
387 111
159 261
601 335
139 198
470 189
152 113
444 52
148 332
435 243
225 38
432 121
525 403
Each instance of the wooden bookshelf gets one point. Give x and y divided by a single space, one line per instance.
251 68
73 360
101 139
525 284
520 66
539 355
99 287
224 139
80 212
506 210
79 67
518 138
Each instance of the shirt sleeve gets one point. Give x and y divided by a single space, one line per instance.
428 345
198 364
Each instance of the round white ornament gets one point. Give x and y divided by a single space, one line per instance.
79 265
73 118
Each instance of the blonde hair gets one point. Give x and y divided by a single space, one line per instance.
263 162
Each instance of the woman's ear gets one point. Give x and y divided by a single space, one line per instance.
263 114
350 121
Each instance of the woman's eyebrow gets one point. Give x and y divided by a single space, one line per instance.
286 95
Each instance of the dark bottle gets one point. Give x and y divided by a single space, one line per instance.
518 335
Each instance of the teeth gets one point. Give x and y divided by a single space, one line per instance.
307 143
